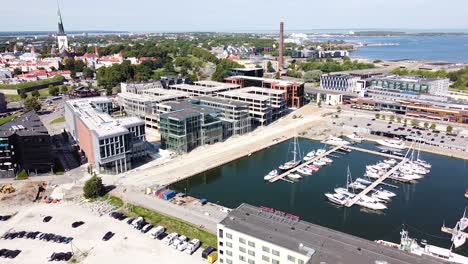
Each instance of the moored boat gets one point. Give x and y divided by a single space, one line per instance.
355 137
271 175
392 143
337 198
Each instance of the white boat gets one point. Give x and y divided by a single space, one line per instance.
355 137
345 192
307 158
371 204
305 171
392 143
271 175
327 160
319 163
337 198
364 181
320 152
296 160
410 245
463 221
313 167
387 193
371 175
380 195
458 238
357 186
390 161
294 176
337 141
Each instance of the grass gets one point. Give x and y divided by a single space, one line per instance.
170 223
54 79
58 120
7 119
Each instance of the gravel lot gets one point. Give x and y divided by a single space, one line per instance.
127 246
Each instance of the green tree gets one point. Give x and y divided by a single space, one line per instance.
223 68
426 125
377 116
433 126
338 109
22 175
93 188
399 119
23 94
35 93
277 76
64 89
312 76
392 118
270 67
415 122
383 117
53 90
32 103
17 71
449 129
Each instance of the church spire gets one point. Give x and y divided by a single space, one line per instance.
61 30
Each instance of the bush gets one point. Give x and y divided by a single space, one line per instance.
433 126
22 175
449 129
93 188
377 116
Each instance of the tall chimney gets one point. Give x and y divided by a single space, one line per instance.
281 47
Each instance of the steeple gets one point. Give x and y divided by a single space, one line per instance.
61 30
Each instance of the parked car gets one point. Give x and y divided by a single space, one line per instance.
169 239
178 241
77 224
47 219
137 221
192 246
156 232
130 221
146 228
108 236
62 256
182 246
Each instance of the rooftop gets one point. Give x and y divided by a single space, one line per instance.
27 124
268 80
204 88
222 101
330 246
183 110
407 78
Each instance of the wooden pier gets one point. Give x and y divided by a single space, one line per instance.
284 174
375 184
375 152
452 231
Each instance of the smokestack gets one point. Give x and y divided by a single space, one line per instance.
281 47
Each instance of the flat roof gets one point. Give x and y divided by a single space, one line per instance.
269 80
222 101
216 84
182 110
250 89
407 78
206 89
154 95
243 94
330 246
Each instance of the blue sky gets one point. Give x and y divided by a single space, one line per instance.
238 15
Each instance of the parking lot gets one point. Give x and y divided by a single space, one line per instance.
127 245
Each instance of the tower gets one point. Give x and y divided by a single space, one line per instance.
62 39
281 47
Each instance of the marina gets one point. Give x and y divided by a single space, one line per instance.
413 202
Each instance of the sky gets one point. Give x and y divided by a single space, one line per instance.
238 15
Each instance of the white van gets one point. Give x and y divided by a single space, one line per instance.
156 232
169 239
192 246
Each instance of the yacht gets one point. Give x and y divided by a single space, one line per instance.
337 198
355 138
337 141
294 176
410 245
371 175
327 160
458 238
390 161
371 204
309 155
313 167
380 196
364 181
305 171
271 175
319 163
463 221
357 186
320 152
392 143
296 160
387 193
466 193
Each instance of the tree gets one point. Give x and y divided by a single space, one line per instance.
377 116
22 175
93 188
270 67
338 109
406 121
53 90
398 119
426 125
415 122
312 76
64 89
32 103
383 117
17 71
277 76
433 126
23 94
392 118
449 129
35 93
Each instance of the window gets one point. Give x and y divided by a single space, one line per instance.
251 253
241 240
229 244
266 249
274 261
220 233
228 261
275 252
221 243
228 235
300 261
242 249
229 253
252 244
250 261
221 252
265 258
242 258
221 260
291 258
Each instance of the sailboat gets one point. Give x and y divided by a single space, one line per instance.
296 159
458 238
464 221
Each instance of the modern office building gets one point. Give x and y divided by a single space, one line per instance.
139 87
110 144
265 105
185 126
203 88
343 83
256 235
252 72
412 84
25 144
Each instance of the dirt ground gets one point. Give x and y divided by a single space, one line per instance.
127 246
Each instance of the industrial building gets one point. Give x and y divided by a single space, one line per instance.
413 84
252 235
111 145
294 91
265 105
25 144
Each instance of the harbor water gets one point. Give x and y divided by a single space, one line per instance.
422 207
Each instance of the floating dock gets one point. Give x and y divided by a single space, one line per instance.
386 155
281 176
375 183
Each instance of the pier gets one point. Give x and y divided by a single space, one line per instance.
375 152
452 231
284 174
375 183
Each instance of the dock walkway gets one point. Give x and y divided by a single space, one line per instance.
386 155
284 174
375 183
452 231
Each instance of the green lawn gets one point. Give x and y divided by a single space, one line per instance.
58 120
43 93
31 84
7 119
172 224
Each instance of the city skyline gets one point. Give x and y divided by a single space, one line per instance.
182 15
